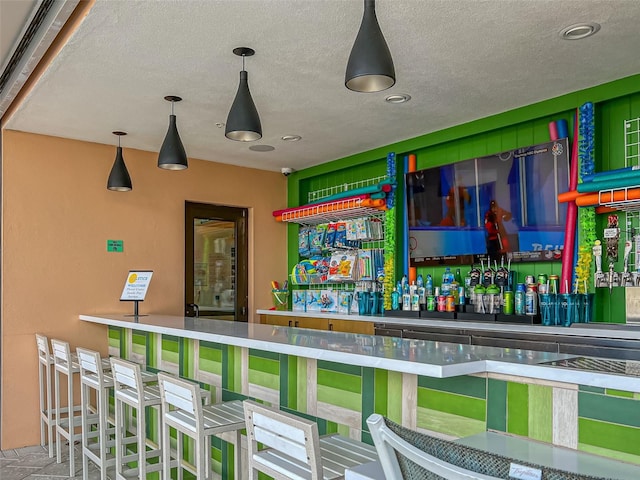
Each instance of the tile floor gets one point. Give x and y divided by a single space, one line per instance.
34 463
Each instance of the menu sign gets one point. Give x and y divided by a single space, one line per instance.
135 288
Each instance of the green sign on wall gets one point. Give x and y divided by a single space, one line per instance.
115 245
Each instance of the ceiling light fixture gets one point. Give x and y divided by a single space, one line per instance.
119 179
398 98
172 155
291 138
262 148
243 122
579 31
370 66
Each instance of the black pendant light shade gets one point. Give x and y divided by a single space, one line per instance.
243 122
119 179
370 66
172 155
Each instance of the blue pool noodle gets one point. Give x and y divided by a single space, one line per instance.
562 128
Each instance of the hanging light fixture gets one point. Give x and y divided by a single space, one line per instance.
370 66
119 179
172 155
243 122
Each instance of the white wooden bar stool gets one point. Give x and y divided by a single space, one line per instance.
98 427
294 448
68 418
182 409
131 391
47 412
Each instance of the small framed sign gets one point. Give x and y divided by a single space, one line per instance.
135 288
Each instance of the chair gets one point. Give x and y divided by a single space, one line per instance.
98 427
405 453
183 410
294 448
47 412
66 426
130 391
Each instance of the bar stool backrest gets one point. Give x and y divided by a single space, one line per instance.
126 374
44 354
289 434
90 366
61 354
178 394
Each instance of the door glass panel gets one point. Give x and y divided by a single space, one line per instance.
214 266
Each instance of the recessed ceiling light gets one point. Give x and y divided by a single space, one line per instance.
262 148
291 138
579 31
397 98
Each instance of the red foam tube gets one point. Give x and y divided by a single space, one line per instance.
566 276
553 131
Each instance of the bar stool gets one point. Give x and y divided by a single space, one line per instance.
47 413
66 426
130 391
98 427
183 410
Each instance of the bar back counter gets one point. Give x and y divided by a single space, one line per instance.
457 388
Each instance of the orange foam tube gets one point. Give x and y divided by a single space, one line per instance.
588 199
603 209
569 196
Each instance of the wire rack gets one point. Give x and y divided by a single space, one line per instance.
330 212
318 195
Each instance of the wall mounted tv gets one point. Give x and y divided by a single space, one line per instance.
499 206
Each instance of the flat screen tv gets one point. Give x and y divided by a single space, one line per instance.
494 207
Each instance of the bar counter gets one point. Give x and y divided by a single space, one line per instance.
341 378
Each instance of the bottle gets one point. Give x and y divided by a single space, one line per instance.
447 278
457 277
428 285
531 302
415 301
395 300
406 298
519 299
399 290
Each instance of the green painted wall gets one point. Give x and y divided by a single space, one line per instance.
615 102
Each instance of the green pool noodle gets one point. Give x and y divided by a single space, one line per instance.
621 180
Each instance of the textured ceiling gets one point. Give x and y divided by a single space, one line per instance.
458 59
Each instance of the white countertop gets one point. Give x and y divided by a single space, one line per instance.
421 357
608 330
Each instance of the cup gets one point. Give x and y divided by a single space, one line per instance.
569 303
280 299
585 314
562 309
364 306
547 308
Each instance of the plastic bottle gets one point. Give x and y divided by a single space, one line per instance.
395 300
457 277
447 278
519 299
428 285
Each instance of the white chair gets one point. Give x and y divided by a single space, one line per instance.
182 409
294 450
130 391
98 427
390 446
68 418
47 412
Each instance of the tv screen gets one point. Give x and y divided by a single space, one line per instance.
499 206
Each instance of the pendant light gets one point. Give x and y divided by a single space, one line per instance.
119 179
243 122
172 155
370 66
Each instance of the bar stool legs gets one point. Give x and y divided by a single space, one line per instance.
98 430
130 392
66 426
47 414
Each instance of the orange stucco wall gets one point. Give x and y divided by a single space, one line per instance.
57 215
